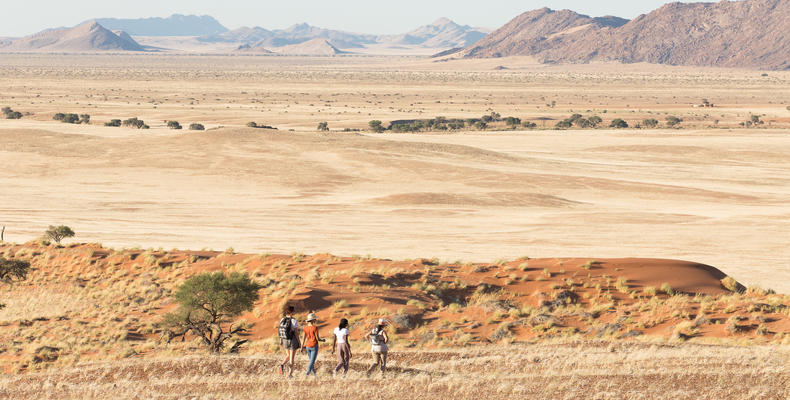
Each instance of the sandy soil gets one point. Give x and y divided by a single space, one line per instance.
94 303
711 195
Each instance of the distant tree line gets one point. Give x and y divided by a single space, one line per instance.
70 118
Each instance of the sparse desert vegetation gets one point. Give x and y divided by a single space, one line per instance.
91 314
120 303
536 164
560 368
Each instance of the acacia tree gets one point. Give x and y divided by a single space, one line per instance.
58 233
12 270
375 126
208 304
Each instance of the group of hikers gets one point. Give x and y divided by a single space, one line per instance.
289 333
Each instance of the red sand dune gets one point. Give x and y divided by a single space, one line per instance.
430 304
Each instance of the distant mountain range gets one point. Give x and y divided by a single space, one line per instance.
749 33
441 34
300 39
87 37
175 25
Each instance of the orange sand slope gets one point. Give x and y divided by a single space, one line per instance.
430 304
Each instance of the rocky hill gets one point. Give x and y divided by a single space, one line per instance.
87 37
314 47
175 25
442 33
750 33
293 35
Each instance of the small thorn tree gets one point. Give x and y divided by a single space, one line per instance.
58 233
12 270
208 304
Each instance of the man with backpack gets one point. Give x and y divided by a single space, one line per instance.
289 341
378 342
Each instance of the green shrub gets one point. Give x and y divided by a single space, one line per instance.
134 122
113 122
564 124
11 114
196 127
650 123
323 126
67 118
512 122
673 121
174 125
375 126
618 123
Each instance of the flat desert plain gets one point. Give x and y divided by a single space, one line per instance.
497 253
711 192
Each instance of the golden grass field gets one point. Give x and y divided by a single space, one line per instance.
711 192
550 370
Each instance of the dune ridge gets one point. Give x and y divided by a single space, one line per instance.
430 303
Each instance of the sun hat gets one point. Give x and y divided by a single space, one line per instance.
311 317
382 321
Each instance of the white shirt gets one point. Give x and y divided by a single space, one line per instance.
294 324
341 335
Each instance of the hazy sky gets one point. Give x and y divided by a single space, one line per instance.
23 17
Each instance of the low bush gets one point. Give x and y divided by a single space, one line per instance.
174 125
254 124
650 123
673 121
375 126
196 127
618 123
11 114
134 122
66 118
113 122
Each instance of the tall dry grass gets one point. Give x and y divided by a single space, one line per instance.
555 370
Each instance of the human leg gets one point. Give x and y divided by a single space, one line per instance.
291 357
312 354
340 360
383 361
376 362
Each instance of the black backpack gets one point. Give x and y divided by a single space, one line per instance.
285 331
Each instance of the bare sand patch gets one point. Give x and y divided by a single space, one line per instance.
472 197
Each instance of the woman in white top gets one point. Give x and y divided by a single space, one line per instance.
378 342
340 344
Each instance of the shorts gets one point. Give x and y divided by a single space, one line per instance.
291 343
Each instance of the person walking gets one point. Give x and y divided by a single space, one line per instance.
288 339
310 338
378 342
340 343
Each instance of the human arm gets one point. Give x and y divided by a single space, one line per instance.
386 337
334 342
348 342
